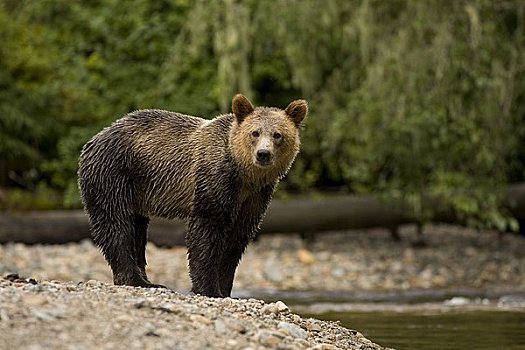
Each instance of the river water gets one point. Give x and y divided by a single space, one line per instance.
437 330
419 319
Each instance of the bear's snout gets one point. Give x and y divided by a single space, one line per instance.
264 157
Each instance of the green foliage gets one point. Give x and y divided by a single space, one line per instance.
41 198
419 102
28 95
436 114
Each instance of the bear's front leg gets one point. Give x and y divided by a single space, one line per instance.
228 264
243 229
205 244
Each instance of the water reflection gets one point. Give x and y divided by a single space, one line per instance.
417 319
437 330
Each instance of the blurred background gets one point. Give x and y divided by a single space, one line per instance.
418 105
410 100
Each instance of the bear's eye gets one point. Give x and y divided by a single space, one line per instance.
277 135
255 134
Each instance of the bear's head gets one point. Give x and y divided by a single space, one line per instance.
265 140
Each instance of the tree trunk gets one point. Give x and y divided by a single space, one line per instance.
299 215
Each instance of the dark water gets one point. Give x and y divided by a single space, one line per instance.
416 319
437 330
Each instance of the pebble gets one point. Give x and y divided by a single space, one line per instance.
281 307
293 330
46 314
42 315
201 319
35 299
457 301
511 301
305 257
324 347
267 339
93 283
220 326
275 308
232 342
313 326
124 318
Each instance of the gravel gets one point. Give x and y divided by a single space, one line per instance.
67 300
454 257
94 315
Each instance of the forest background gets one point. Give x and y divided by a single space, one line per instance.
421 103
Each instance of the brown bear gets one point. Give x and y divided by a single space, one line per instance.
219 174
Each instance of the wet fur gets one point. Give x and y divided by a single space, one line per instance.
166 164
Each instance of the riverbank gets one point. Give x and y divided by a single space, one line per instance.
93 315
71 303
361 260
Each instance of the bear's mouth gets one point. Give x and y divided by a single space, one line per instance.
263 163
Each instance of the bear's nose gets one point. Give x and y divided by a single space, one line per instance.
264 156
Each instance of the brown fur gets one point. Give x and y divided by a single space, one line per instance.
219 174
242 146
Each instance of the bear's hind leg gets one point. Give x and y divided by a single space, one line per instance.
114 235
141 239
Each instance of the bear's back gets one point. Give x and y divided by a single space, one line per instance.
150 119
154 152
162 145
151 152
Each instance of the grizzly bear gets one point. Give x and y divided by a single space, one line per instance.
218 174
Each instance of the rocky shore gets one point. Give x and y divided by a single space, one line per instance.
365 260
93 315
66 300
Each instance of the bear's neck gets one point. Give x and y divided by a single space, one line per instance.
257 177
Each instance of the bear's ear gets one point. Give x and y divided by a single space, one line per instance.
241 107
297 110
